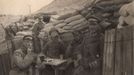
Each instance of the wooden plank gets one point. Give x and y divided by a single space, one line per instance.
133 52
118 53
127 49
6 64
111 52
107 51
104 53
1 67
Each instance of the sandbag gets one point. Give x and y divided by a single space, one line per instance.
73 18
79 8
129 20
84 12
88 16
80 25
48 25
130 8
90 2
64 15
77 22
60 25
23 33
62 30
58 22
123 10
53 20
67 27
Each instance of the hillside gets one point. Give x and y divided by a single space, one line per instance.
57 5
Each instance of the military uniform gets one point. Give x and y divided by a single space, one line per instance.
90 48
54 49
36 29
21 63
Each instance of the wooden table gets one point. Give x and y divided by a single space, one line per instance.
54 63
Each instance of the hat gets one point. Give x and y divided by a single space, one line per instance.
53 29
95 18
92 20
28 37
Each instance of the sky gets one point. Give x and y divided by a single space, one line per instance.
21 7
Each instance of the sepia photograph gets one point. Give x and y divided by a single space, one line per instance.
66 37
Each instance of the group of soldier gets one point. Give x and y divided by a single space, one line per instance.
83 53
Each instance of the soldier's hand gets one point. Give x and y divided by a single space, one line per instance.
76 63
93 65
41 66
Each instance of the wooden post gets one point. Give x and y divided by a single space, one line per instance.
127 50
110 54
118 53
104 53
133 51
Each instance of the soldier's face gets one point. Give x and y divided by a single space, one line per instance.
93 22
54 35
28 44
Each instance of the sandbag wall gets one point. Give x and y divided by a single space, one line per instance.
106 11
70 19
73 19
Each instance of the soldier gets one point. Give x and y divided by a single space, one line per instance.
23 57
53 49
36 30
90 51
41 21
43 36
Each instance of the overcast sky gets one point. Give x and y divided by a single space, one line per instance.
21 6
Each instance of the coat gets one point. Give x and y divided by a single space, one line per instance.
21 63
90 48
53 49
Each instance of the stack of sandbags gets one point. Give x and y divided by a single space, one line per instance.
107 12
73 21
69 20
77 23
126 15
86 12
86 9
